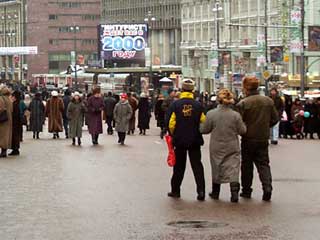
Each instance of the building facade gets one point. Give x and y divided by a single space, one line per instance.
237 25
12 16
60 29
165 29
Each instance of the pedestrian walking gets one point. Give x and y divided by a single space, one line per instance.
310 122
37 115
184 125
144 114
95 108
160 115
27 101
122 115
54 112
66 101
166 106
109 104
279 105
259 114
225 126
297 118
6 109
75 113
16 123
134 106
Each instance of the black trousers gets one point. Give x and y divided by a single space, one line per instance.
122 136
254 153
66 126
180 167
109 123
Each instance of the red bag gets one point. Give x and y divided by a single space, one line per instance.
171 160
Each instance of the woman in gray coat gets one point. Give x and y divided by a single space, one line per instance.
122 115
75 114
225 126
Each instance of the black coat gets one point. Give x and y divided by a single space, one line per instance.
144 114
37 115
310 124
109 104
16 126
159 113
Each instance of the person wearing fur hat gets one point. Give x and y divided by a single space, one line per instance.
144 114
54 112
225 126
122 114
259 114
6 109
75 113
184 126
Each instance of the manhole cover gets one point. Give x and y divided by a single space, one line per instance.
196 224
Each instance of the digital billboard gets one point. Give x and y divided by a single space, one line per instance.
123 42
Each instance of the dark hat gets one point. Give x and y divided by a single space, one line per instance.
17 95
188 85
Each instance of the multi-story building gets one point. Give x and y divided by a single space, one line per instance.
12 15
239 24
165 29
59 28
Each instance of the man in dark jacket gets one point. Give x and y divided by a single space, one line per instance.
259 114
16 124
109 104
66 101
186 116
279 105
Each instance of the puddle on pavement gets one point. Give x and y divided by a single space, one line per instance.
196 224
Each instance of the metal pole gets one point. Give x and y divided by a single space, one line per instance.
218 40
5 42
266 42
302 69
75 58
151 58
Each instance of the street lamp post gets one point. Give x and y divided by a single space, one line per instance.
218 8
149 19
75 29
302 73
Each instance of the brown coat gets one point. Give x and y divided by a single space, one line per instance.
54 111
6 127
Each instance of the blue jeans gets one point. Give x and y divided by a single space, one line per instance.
274 132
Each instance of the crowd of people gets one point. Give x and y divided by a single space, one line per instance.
256 119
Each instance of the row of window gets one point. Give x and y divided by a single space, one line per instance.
68 29
83 41
74 4
91 17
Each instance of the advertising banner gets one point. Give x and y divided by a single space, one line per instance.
314 38
213 59
18 50
276 54
296 43
123 42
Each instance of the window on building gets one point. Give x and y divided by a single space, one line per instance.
53 17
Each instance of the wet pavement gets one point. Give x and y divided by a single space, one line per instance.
56 191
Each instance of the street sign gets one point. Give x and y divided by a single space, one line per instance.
266 75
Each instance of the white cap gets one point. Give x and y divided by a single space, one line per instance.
213 98
143 95
54 94
76 94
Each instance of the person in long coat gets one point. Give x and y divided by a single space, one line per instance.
122 114
16 123
54 111
37 115
134 106
6 126
95 107
225 126
160 115
75 113
310 123
144 114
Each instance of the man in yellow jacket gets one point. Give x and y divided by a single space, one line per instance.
185 118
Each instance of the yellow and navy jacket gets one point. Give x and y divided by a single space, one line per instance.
186 116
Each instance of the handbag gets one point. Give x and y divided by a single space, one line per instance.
4 116
171 160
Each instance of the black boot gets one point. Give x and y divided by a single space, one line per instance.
93 139
311 136
174 194
79 141
144 132
215 191
266 196
15 152
73 141
58 135
201 196
235 188
3 153
34 135
54 136
246 193
38 135
97 138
